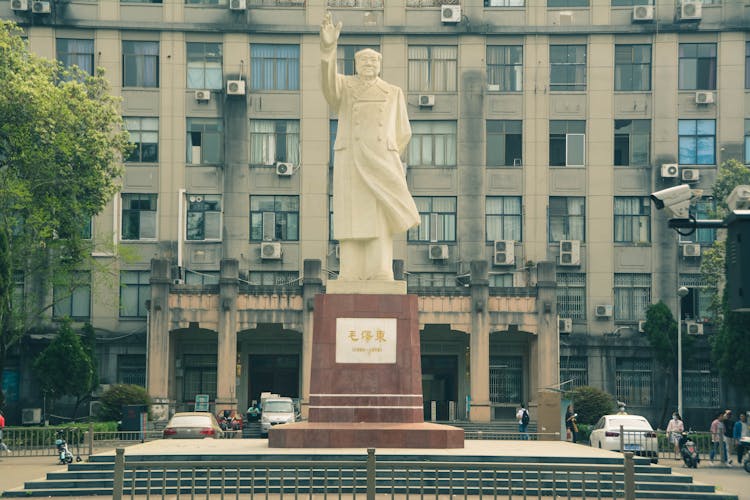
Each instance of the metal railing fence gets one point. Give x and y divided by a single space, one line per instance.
511 436
366 478
40 442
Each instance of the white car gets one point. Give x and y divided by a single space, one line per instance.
276 411
638 435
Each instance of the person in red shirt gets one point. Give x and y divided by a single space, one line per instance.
3 446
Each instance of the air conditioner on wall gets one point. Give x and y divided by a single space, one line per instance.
643 13
450 13
437 252
690 174
270 250
603 311
691 250
237 4
704 97
693 328
236 87
669 170
19 4
202 95
570 253
642 326
41 7
690 10
504 252
565 325
284 169
426 100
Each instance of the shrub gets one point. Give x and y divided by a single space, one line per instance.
591 403
117 396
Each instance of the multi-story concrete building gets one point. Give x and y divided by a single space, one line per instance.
540 128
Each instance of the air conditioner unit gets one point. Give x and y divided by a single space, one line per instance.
570 253
704 97
438 252
41 7
19 4
691 250
565 325
504 252
203 95
642 326
178 281
690 174
603 311
31 416
643 13
237 4
284 169
669 170
693 328
427 100
270 250
566 18
450 13
690 10
739 198
236 87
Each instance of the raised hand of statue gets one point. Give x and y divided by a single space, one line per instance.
329 33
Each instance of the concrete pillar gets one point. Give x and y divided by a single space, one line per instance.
545 354
479 344
226 367
158 358
312 285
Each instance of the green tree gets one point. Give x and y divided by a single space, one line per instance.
591 403
732 173
117 396
65 368
61 144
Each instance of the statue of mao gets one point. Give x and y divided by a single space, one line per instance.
371 200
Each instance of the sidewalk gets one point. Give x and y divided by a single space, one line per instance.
15 471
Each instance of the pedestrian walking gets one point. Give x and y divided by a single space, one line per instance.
740 431
571 424
728 436
717 432
523 421
3 446
675 428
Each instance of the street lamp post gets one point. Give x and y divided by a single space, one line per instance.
681 292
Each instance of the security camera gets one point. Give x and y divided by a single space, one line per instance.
675 201
739 198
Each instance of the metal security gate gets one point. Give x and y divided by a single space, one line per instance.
506 383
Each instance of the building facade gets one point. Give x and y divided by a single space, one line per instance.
540 128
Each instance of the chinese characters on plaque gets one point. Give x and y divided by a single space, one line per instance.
366 340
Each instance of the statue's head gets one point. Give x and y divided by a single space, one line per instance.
367 63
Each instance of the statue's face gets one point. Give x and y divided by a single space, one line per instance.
368 65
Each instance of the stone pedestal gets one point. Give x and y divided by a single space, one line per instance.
366 380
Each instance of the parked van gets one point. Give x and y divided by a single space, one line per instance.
276 410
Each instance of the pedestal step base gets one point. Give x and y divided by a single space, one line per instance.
365 435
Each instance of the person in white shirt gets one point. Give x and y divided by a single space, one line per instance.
675 427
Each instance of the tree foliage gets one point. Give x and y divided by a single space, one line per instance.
591 403
732 173
117 396
61 144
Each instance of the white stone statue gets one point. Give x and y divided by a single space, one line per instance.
371 200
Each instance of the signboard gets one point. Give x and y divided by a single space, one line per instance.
366 340
201 402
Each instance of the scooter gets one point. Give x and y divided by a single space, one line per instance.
744 445
689 451
63 452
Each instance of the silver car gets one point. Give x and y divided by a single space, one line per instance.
193 425
276 411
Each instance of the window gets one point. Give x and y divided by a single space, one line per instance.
74 52
131 369
430 280
274 67
333 126
747 65
632 142
506 379
505 68
135 290
274 218
274 140
204 66
703 208
504 143
205 141
437 216
697 66
199 376
567 67
274 278
567 143
72 296
701 386
567 3
432 68
632 296
633 381
697 142
629 3
571 295
202 278
695 305
504 3
144 135
503 218
433 144
632 67
345 54
500 280
330 218
140 1
367 4
18 297
203 217
632 219
574 372
747 142
567 218
138 217
140 64
205 2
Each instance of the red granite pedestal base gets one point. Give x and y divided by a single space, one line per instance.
366 379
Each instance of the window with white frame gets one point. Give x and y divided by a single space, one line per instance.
697 69
697 142
567 67
274 141
632 222
433 144
144 136
140 64
432 68
345 55
504 3
567 218
632 67
571 295
274 67
632 142
695 306
203 221
274 218
206 2
76 52
72 296
204 61
701 386
138 216
504 143
500 280
205 141
632 296
634 381
567 143
437 215
574 372
505 68
503 218
135 290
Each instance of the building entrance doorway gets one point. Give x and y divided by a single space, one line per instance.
439 384
276 373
